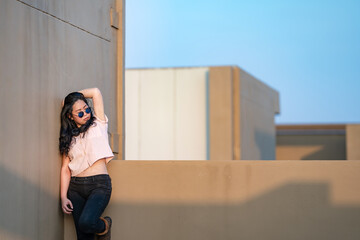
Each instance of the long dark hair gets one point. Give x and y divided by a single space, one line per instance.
69 129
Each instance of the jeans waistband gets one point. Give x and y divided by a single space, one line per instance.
90 178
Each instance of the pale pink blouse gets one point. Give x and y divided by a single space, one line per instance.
86 149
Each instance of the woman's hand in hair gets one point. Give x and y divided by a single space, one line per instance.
66 206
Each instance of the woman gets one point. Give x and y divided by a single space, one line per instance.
85 150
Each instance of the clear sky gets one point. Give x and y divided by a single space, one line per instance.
307 50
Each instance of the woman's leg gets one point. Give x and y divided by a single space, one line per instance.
78 205
95 205
100 192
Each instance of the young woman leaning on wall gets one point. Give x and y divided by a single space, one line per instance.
85 182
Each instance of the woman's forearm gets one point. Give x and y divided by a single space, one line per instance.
90 92
64 182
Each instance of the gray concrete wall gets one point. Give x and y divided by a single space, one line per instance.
231 200
91 16
258 105
47 49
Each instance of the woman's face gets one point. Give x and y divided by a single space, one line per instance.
80 106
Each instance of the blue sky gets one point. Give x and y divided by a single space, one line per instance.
309 51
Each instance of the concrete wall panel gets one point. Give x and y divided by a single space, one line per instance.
221 113
132 98
230 117
235 200
156 115
236 114
42 58
90 15
353 142
311 148
258 105
190 114
311 142
166 114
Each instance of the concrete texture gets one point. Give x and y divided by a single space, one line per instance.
118 33
91 16
236 116
250 200
166 114
211 113
353 142
47 49
311 142
242 110
258 105
220 113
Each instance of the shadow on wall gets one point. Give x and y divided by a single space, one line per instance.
332 150
295 211
265 144
319 155
27 211
330 147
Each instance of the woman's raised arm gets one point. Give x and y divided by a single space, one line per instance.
97 99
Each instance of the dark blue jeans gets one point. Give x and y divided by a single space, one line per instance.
89 196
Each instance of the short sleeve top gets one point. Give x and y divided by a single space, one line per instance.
86 149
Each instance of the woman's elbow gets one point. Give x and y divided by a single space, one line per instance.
96 90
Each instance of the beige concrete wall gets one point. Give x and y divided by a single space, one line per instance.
221 113
250 200
198 113
311 142
47 49
258 105
236 116
353 142
117 20
166 114
241 116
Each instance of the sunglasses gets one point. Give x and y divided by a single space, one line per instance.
81 114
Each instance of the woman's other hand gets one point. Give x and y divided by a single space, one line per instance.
66 206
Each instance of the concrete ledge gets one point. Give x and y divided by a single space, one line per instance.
234 200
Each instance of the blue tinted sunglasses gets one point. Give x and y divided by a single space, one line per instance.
81 114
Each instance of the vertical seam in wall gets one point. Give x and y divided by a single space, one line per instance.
236 116
240 122
207 91
232 112
175 155
138 154
121 31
